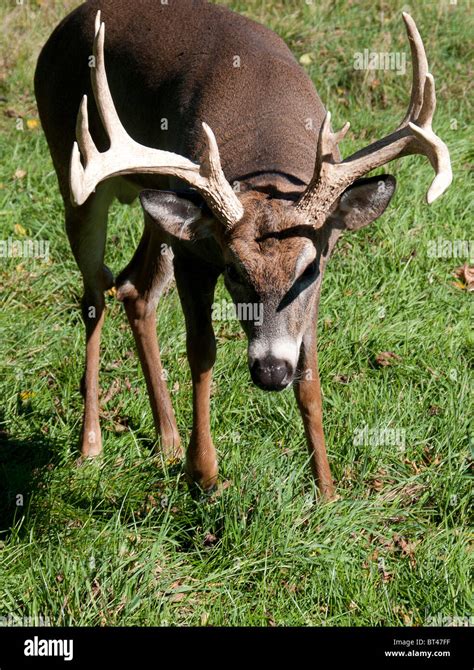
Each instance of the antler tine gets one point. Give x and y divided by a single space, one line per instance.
100 86
97 22
224 200
84 139
126 156
328 140
413 136
428 107
76 176
419 67
319 192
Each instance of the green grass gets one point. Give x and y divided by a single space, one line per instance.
121 540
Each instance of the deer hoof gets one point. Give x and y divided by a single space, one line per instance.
204 481
91 443
170 447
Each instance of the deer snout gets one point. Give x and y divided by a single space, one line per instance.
271 374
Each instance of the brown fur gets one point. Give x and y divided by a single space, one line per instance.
176 62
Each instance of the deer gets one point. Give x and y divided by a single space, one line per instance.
210 120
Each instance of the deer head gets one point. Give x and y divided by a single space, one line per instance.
274 249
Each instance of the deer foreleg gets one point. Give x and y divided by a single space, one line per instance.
308 396
196 291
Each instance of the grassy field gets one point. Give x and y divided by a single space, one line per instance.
120 541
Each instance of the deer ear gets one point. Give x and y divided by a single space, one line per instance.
182 217
364 201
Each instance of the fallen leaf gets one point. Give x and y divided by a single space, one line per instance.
151 502
466 274
377 484
113 365
406 616
434 410
386 576
19 230
291 588
210 540
177 597
430 457
121 425
121 605
416 469
407 548
409 493
231 336
95 588
386 358
113 389
306 59
459 285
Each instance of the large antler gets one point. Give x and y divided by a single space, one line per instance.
413 136
125 156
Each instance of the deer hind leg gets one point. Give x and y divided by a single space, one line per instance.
139 287
196 291
86 228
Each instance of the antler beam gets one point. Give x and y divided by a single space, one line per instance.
414 136
125 156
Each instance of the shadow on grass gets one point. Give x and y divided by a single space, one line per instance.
23 465
26 474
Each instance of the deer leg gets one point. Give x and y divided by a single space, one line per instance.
196 290
308 396
86 229
139 287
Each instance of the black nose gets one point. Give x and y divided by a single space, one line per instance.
271 374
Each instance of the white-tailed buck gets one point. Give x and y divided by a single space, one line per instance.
208 117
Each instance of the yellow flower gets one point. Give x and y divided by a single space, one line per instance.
32 123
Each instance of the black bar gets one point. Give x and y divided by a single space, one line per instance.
331 648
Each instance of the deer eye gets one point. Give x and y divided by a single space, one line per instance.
310 272
232 274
